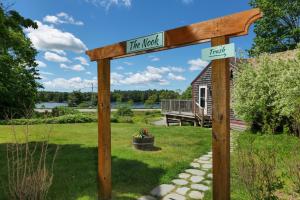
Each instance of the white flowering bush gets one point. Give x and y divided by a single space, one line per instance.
267 92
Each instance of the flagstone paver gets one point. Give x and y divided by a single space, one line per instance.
180 182
195 172
199 187
162 190
174 196
196 195
209 176
182 190
184 175
197 179
207 166
195 165
190 184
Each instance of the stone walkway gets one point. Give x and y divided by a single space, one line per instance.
190 184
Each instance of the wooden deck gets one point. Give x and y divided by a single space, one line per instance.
180 111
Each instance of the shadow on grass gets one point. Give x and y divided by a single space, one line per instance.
75 175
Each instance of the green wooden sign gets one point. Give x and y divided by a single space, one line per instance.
153 41
218 52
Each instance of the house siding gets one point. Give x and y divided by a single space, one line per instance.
205 79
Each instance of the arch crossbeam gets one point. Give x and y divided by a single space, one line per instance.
231 25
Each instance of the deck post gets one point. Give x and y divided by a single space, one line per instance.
104 130
221 124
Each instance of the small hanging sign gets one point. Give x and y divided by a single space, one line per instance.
153 41
218 52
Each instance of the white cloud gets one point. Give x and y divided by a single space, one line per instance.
128 63
68 84
176 77
164 82
150 75
60 52
82 60
154 58
62 18
64 66
108 3
46 38
45 73
53 57
77 67
177 69
116 78
142 78
197 64
156 70
88 73
41 64
120 68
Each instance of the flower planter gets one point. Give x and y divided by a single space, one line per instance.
146 143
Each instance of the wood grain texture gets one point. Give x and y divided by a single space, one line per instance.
104 130
231 25
221 124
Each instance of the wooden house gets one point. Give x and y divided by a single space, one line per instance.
199 109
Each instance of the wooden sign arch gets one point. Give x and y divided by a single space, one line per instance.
218 31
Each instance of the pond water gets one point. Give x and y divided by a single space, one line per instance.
113 105
49 104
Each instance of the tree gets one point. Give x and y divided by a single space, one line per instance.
187 94
168 94
18 69
75 98
151 100
279 29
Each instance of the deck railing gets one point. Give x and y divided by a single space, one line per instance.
176 106
199 111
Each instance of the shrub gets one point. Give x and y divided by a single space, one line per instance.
266 92
71 118
124 110
256 168
114 120
30 167
62 110
125 119
293 166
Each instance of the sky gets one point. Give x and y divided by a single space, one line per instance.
67 28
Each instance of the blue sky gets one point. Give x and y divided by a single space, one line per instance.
69 27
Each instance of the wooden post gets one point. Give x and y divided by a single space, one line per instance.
104 131
221 124
179 106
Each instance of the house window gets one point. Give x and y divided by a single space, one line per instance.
202 97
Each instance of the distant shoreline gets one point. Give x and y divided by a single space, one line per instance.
50 105
90 110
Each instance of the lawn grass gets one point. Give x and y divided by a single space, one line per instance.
134 172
